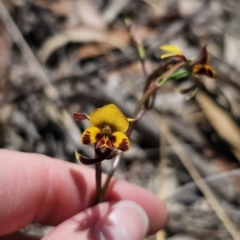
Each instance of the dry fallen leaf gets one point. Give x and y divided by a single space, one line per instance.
93 50
221 121
117 39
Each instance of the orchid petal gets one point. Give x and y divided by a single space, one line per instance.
79 116
89 161
131 119
204 70
104 142
167 55
120 141
109 115
171 49
91 135
98 152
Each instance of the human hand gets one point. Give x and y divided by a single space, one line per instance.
36 188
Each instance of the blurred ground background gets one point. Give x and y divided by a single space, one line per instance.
64 56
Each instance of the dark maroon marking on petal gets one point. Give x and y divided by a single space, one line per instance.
205 71
201 70
79 116
123 146
86 138
100 143
109 144
113 139
210 73
98 137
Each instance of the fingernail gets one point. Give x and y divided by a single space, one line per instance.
124 220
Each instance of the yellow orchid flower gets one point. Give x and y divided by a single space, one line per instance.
108 125
199 65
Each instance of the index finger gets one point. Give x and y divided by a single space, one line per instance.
36 188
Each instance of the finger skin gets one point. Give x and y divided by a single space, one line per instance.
121 220
36 188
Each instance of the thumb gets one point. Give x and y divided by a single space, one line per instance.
106 221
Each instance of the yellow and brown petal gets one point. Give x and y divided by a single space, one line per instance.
203 70
91 135
120 141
